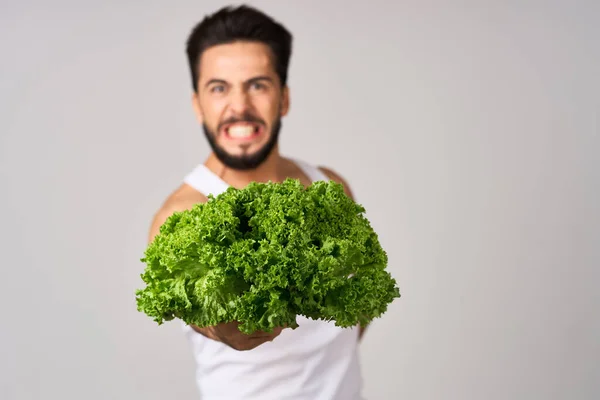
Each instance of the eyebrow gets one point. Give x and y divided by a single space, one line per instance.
251 80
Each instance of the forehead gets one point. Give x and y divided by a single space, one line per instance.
236 61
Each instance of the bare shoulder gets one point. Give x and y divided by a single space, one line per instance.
336 177
183 198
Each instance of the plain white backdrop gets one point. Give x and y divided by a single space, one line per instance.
469 131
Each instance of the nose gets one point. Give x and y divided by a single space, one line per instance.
239 101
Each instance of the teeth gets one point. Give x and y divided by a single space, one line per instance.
241 131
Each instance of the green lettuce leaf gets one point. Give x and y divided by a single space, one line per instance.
265 254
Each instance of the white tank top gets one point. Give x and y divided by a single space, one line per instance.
316 361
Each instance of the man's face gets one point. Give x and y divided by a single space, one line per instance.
240 102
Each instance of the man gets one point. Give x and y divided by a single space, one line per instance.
239 59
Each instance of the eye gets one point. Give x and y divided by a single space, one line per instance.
258 86
217 89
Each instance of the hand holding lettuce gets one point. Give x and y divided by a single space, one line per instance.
262 255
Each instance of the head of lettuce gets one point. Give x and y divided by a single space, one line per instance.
263 255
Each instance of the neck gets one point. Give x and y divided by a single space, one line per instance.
270 170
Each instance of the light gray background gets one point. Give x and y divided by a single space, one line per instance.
469 130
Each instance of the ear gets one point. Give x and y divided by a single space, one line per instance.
197 108
285 101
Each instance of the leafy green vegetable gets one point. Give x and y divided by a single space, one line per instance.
263 255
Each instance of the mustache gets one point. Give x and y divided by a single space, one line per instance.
242 118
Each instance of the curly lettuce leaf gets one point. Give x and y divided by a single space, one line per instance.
263 255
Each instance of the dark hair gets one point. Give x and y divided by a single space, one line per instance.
243 23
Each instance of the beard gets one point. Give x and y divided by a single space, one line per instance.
243 162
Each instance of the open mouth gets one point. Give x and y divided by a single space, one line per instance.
242 131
